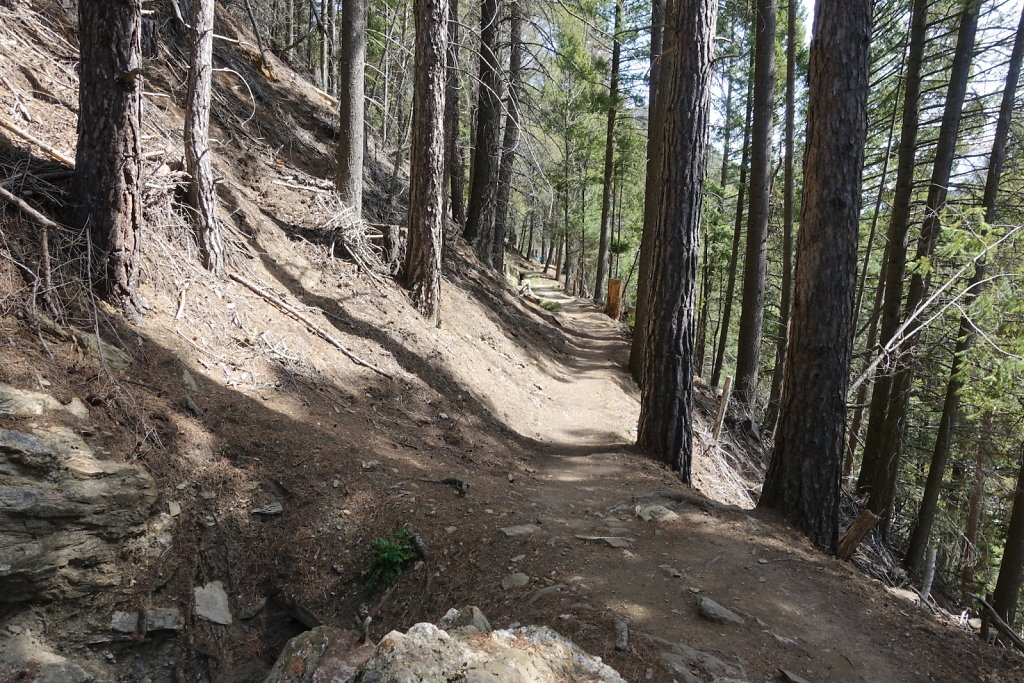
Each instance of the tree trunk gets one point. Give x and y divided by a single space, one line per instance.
108 158
609 162
510 141
737 234
422 272
1011 569
950 411
969 556
803 477
637 350
748 354
352 65
666 400
883 490
899 229
480 214
456 167
202 194
787 223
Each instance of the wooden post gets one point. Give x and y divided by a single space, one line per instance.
855 533
613 309
723 405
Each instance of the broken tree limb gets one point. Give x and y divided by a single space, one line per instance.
28 210
1003 627
313 327
723 405
56 154
855 533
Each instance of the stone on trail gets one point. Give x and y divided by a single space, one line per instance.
212 603
465 621
517 580
712 611
696 666
520 530
656 512
613 541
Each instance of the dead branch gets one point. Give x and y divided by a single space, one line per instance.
313 327
1003 627
856 532
56 154
28 210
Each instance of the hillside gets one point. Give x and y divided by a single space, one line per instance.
292 414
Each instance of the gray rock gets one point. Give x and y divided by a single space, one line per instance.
77 408
65 517
712 611
23 653
791 677
465 621
520 530
697 666
163 619
613 541
543 592
373 466
517 580
22 403
522 655
324 654
270 509
211 603
656 512
124 622
189 380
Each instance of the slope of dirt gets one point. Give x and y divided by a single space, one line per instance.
287 459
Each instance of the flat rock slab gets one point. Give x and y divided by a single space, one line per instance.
517 580
613 541
212 603
712 611
520 530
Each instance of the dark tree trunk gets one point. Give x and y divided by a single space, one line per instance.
453 150
972 526
108 157
883 489
487 154
202 194
737 235
928 509
637 350
785 302
803 477
422 272
1011 569
748 352
510 140
666 400
899 229
609 161
349 174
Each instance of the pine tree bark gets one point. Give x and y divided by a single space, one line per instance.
202 194
785 302
666 400
609 162
480 213
928 508
1011 570
883 489
803 477
107 184
510 139
637 350
972 526
748 354
422 272
453 150
351 134
898 232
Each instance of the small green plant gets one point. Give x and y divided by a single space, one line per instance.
391 554
551 305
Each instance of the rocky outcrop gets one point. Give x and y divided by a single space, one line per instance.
531 654
64 515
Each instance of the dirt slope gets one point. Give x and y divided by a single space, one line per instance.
237 408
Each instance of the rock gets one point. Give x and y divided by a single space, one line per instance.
696 666
671 571
465 621
270 509
712 611
22 403
189 380
25 654
791 677
517 580
65 517
522 655
520 530
211 603
174 508
518 558
163 619
547 590
125 622
613 541
77 408
373 466
324 654
659 513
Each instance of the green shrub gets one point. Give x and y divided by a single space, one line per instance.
391 555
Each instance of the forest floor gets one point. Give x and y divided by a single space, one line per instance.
279 460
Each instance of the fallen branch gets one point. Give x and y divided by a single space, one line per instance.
1003 627
313 327
855 533
25 208
59 156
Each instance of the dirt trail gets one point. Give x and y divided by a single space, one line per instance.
812 615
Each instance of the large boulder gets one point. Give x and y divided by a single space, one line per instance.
64 515
531 654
